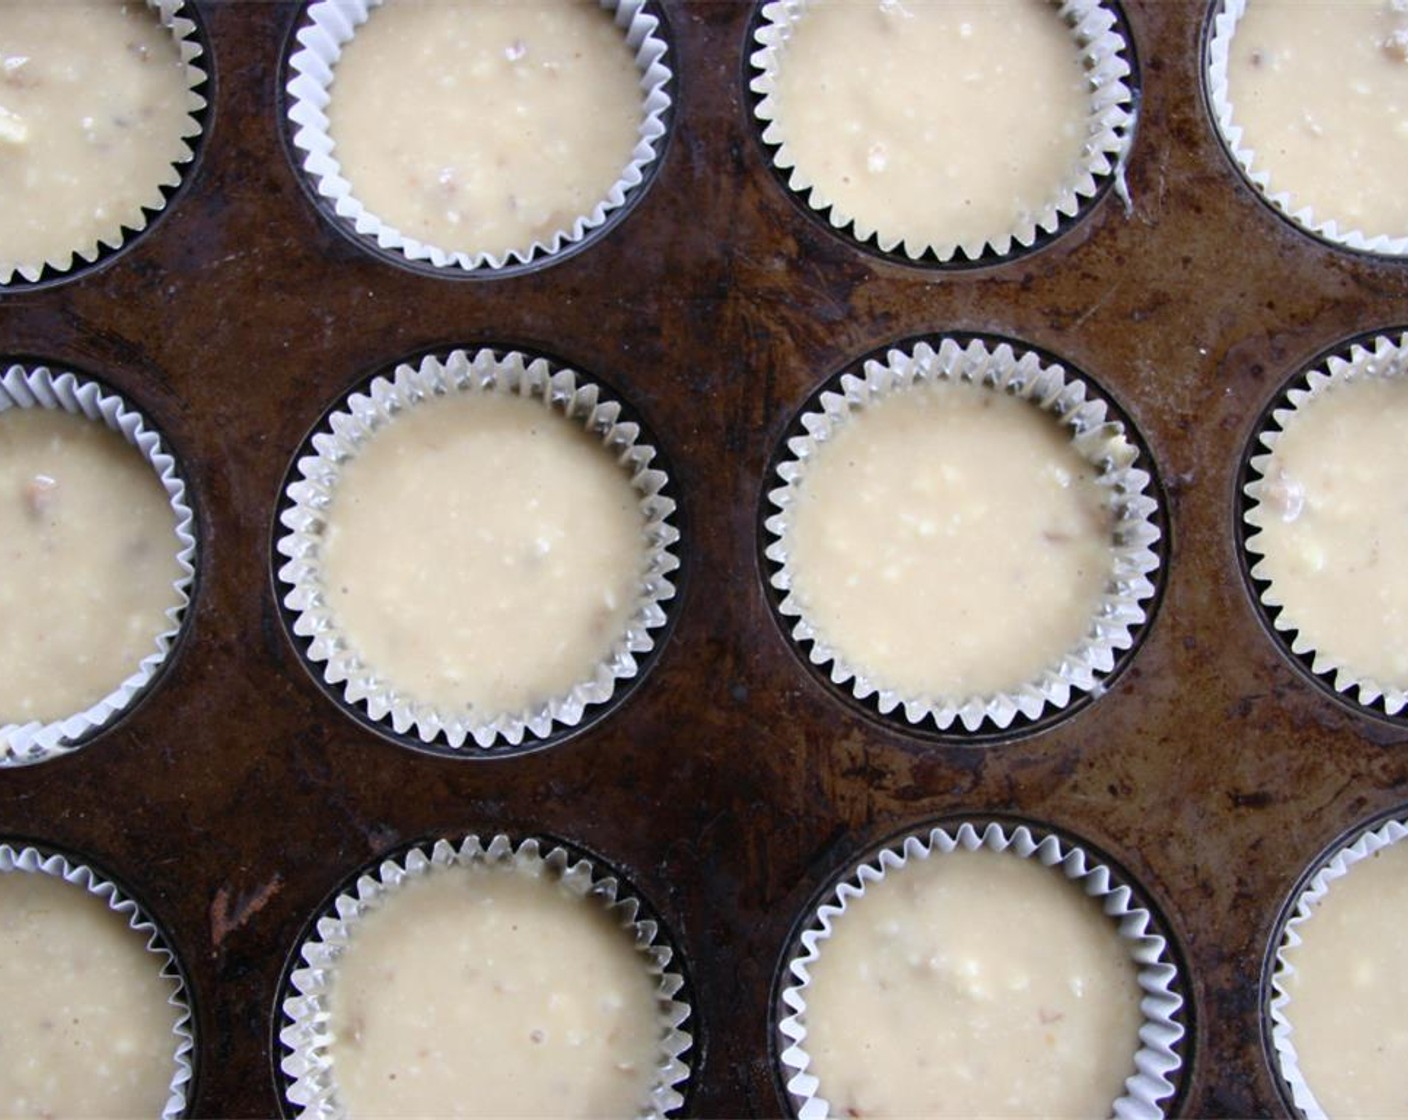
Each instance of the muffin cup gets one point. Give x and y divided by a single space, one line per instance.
1097 438
341 438
326 28
1157 1062
1379 357
307 1062
1109 133
175 16
1287 937
39 387
1224 27
31 861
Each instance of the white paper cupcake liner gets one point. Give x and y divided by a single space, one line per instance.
1282 1040
342 437
39 387
1098 438
1109 132
1156 1062
1387 358
1224 28
305 1034
327 27
31 861
126 226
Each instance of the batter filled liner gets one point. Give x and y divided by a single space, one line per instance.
1321 529
97 1021
1335 997
933 169
311 1037
1153 1058
512 595
40 734
330 28
1098 441
97 117
1311 100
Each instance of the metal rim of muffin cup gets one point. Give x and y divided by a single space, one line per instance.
1372 354
183 19
1140 536
1165 1039
307 491
303 1068
22 857
319 30
1107 52
37 386
1219 31
1333 862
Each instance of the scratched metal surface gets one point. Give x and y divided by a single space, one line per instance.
732 783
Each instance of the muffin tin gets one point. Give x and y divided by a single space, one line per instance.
731 784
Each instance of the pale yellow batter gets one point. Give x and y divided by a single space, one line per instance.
973 984
1334 526
1348 988
948 542
933 122
93 108
485 125
483 553
1320 91
89 548
87 1029
492 992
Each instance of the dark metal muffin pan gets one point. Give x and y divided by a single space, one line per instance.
732 783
